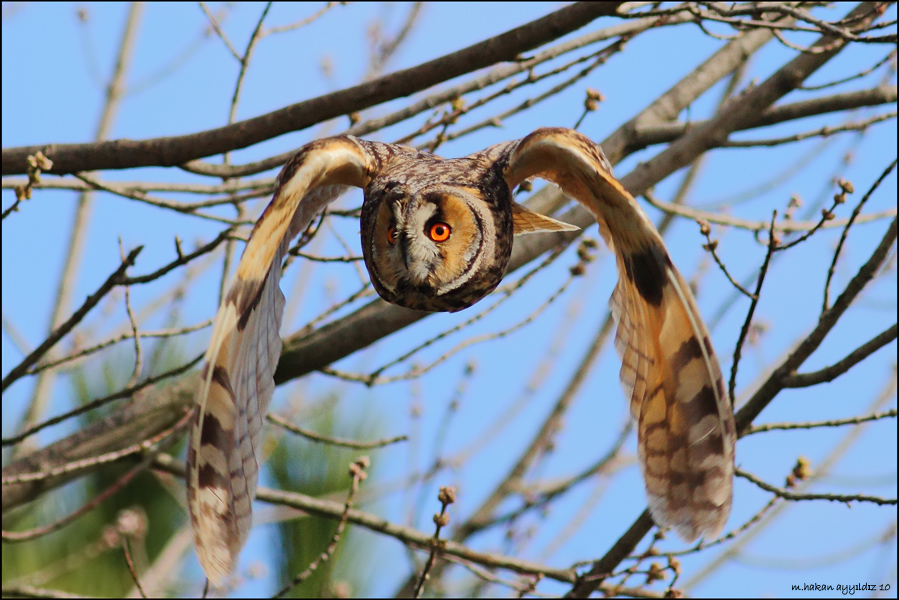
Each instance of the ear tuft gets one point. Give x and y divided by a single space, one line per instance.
527 221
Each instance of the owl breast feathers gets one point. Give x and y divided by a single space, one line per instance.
437 235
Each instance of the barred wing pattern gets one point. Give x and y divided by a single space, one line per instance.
686 431
238 382
685 426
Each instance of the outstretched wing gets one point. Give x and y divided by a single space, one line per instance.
686 433
237 385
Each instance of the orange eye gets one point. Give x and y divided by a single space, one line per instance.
391 235
439 232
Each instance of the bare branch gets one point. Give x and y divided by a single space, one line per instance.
171 151
151 412
835 370
892 413
787 495
315 437
774 384
847 187
117 278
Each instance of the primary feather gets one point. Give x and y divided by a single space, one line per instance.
669 371
237 384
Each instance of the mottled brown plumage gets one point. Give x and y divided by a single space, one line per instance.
412 192
437 235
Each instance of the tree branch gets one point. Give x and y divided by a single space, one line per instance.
117 278
835 370
153 411
171 151
775 382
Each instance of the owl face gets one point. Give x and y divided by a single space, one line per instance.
439 248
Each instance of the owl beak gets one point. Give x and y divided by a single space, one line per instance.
404 250
408 214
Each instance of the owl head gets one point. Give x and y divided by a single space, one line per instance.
440 247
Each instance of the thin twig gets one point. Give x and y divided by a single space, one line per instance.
711 246
135 331
826 131
835 370
815 424
316 437
852 219
357 472
94 404
117 278
119 484
782 226
118 154
131 568
890 56
772 246
303 22
105 458
218 30
447 496
787 495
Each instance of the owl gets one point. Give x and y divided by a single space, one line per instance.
437 236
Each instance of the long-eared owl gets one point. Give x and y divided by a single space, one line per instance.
437 235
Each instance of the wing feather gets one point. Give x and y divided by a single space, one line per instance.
669 371
243 354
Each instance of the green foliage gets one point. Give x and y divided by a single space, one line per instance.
319 470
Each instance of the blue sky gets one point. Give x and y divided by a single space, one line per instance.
53 73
